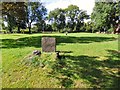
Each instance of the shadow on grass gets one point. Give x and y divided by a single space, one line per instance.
36 41
100 74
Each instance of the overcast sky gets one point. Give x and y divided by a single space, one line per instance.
82 4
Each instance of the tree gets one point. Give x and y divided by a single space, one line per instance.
48 28
14 13
10 21
106 15
57 17
61 20
70 17
35 13
75 17
22 13
90 26
71 13
80 20
40 26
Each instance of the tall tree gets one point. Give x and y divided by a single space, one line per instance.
36 13
71 12
106 15
80 19
14 11
57 17
75 17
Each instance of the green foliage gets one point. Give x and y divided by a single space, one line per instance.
43 60
41 25
20 13
75 17
57 17
70 17
110 30
90 27
35 61
16 9
48 27
14 13
82 29
105 15
36 13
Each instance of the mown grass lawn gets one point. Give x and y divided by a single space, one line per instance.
87 60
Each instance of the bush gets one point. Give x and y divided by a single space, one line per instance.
110 30
4 31
36 61
43 60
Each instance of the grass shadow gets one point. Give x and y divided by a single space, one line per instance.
22 42
100 74
35 41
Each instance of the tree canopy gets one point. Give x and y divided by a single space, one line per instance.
14 13
71 17
106 15
35 13
19 13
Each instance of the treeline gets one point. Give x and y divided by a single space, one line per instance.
104 18
70 19
22 15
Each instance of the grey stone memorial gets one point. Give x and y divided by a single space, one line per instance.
48 44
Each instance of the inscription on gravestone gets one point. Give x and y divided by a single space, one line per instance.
48 44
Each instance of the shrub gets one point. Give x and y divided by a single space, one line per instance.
110 30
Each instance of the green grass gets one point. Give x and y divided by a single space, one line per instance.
87 60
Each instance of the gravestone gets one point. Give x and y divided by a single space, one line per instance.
48 44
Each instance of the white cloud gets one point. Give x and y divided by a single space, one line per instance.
58 4
82 4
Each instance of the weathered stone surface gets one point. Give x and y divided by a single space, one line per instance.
48 44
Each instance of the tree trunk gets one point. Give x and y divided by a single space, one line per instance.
29 30
10 30
29 26
18 29
59 30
